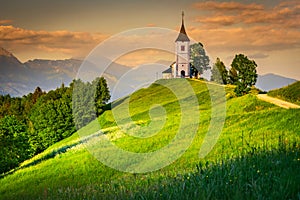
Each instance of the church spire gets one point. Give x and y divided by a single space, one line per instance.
182 35
182 30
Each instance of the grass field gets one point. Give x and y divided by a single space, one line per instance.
257 155
289 93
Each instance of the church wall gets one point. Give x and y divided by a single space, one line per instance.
182 58
167 76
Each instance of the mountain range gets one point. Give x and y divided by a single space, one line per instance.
18 79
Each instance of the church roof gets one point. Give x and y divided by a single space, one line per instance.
182 34
167 71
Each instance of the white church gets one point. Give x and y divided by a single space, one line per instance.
181 68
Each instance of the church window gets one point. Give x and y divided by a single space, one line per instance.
182 48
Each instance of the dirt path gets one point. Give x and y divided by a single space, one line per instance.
278 102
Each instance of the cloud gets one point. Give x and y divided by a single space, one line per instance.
67 43
226 6
240 27
151 25
238 39
146 56
5 21
221 20
285 14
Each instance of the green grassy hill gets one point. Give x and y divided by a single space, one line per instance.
256 155
289 93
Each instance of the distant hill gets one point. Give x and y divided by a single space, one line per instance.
289 93
272 81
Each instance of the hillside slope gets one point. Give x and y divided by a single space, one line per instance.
68 170
289 93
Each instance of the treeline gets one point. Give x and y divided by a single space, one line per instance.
30 124
242 73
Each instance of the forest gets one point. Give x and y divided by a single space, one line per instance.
32 123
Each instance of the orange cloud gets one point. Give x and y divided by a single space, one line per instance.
258 38
5 21
228 28
221 20
151 25
285 14
69 44
275 50
226 6
146 56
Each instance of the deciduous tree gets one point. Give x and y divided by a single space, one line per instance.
14 146
246 73
199 59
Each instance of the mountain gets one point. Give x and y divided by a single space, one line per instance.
272 81
49 74
14 75
18 79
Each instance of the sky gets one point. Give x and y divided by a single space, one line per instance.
267 31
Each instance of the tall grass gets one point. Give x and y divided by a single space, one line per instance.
260 173
270 171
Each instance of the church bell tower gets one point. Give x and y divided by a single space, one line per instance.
182 45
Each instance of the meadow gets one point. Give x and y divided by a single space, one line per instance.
257 155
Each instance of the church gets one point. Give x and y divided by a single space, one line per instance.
181 68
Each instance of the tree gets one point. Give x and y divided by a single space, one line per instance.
83 103
199 59
102 94
51 118
246 73
37 93
13 142
89 100
233 76
219 72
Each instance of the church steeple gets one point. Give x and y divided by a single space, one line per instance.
182 30
182 34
